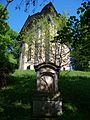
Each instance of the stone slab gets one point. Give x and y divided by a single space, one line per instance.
45 105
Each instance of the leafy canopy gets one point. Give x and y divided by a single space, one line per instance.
7 44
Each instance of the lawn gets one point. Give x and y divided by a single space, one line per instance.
16 97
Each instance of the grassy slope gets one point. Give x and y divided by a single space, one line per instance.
75 89
16 98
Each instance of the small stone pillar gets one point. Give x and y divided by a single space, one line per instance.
46 100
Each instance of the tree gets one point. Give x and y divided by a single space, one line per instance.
76 32
7 46
81 42
5 8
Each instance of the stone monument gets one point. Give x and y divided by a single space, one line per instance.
47 100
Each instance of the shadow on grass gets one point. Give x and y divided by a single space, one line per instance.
75 93
16 98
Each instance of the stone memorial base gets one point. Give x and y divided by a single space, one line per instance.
47 104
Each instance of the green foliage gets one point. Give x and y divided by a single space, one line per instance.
4 15
77 34
81 44
42 23
43 30
8 46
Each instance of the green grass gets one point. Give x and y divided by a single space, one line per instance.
16 97
75 91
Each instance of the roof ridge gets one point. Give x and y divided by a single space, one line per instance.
43 11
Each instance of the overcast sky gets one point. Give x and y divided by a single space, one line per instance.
18 17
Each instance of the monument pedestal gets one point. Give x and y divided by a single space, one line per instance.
47 100
47 104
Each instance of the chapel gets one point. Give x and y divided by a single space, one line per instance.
38 43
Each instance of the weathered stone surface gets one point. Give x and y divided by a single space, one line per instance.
47 99
45 104
47 77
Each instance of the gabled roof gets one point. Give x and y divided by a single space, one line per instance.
47 9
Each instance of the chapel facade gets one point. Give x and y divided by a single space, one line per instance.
38 41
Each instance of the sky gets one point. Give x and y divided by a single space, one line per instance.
17 18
